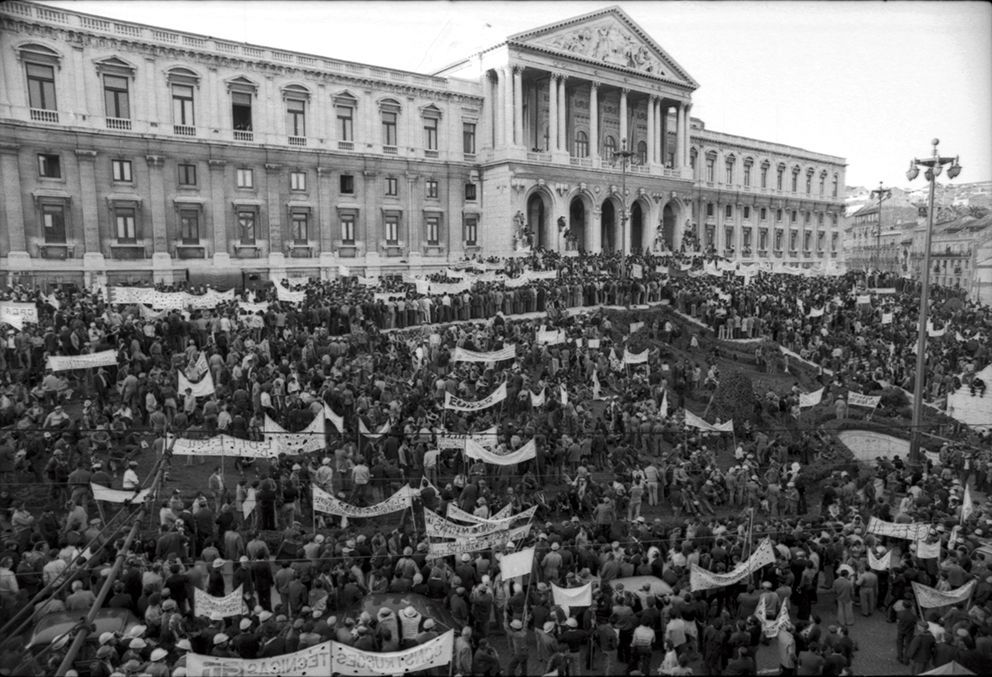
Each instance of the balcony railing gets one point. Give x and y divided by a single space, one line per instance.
244 135
539 157
42 115
429 153
123 124
390 150
184 130
297 141
346 145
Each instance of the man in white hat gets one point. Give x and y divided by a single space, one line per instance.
518 638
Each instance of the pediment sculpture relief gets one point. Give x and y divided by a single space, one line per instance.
610 44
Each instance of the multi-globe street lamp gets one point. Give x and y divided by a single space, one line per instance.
881 193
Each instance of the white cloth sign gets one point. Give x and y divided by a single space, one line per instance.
631 358
364 431
524 453
106 358
772 627
926 550
701 579
343 271
550 337
309 439
637 271
201 388
485 438
388 295
864 299
815 312
457 404
635 327
287 296
52 301
967 504
567 598
538 400
336 421
810 399
11 313
314 660
225 445
456 513
928 597
911 532
859 400
563 394
693 421
463 355
592 344
326 503
252 308
439 527
347 660
102 493
887 318
229 605
883 563
517 564
368 281
452 548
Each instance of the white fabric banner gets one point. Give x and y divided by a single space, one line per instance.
524 453
928 597
694 421
810 399
883 563
887 318
631 358
347 660
314 660
252 308
517 564
364 431
457 404
882 290
456 513
336 421
592 344
635 327
343 271
538 400
636 271
52 301
309 439
106 358
506 353
452 548
935 333
859 400
701 579
926 550
201 388
911 532
563 394
368 281
439 527
11 312
102 493
229 605
485 438
440 289
864 299
200 367
326 503
288 296
567 598
388 295
967 504
225 445
771 628
550 337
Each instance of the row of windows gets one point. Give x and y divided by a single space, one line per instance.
728 213
730 237
709 174
126 230
50 166
117 104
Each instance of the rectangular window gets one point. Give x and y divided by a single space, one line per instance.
747 212
468 137
471 230
730 174
709 209
795 217
182 106
778 179
245 178
430 133
301 227
470 192
793 238
795 181
53 223
296 117
347 184
122 171
189 226
187 175
392 229
809 218
728 212
807 240
764 213
747 238
431 188
819 240
297 180
49 166
388 128
116 96
348 228
728 238
346 123
432 227
710 167
763 239
392 186
778 215
747 176
241 111
126 228
778 240
246 226
41 86
764 177
809 184
834 189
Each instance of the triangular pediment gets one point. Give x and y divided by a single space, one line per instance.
608 37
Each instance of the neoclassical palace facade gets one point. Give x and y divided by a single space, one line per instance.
133 152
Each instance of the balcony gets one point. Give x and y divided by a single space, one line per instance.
300 250
121 124
244 135
346 145
41 115
536 156
430 153
469 157
390 150
297 141
580 162
188 250
247 251
184 130
127 251
59 252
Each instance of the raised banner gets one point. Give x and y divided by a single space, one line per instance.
771 628
636 271
929 598
550 337
452 548
815 312
375 437
882 290
631 358
106 358
915 531
538 400
252 308
810 399
314 660
456 513
859 400
438 527
458 404
485 438
287 296
309 439
388 295
463 355
336 421
326 503
635 327
864 299
225 445
102 493
887 318
883 563
368 281
693 421
701 579
347 660
205 605
567 598
440 289
11 312
517 564
524 453
201 388
925 550
343 271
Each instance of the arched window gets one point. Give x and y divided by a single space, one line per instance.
809 181
780 172
834 189
764 173
642 152
609 149
823 183
389 110
729 170
748 164
795 178
710 167
581 145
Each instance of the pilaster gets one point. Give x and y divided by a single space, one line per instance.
156 189
553 112
325 211
507 111
218 212
594 239
518 106
86 160
623 118
652 154
13 209
273 179
562 116
594 122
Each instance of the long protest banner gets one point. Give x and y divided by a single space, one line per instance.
485 438
858 400
456 513
701 579
458 404
915 531
524 453
201 388
314 660
309 439
451 548
16 314
106 358
635 358
225 445
205 605
693 421
336 420
463 355
439 527
929 598
288 296
326 503
810 399
347 660
102 493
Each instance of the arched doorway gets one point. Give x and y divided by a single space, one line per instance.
537 219
636 228
576 224
609 227
668 226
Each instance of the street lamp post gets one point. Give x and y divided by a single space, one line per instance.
624 156
934 165
881 193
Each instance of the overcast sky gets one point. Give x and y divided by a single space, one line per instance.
871 82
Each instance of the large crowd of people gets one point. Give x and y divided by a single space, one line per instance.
620 487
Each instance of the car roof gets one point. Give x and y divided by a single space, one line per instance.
50 626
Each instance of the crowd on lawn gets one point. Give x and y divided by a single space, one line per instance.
614 465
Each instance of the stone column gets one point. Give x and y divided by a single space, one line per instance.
414 219
86 160
488 114
562 117
685 134
218 211
651 158
663 131
680 138
156 195
594 121
273 207
507 77
518 106
594 236
623 118
553 112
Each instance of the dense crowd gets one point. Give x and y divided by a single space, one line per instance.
606 453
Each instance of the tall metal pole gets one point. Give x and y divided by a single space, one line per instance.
883 194
624 156
921 340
